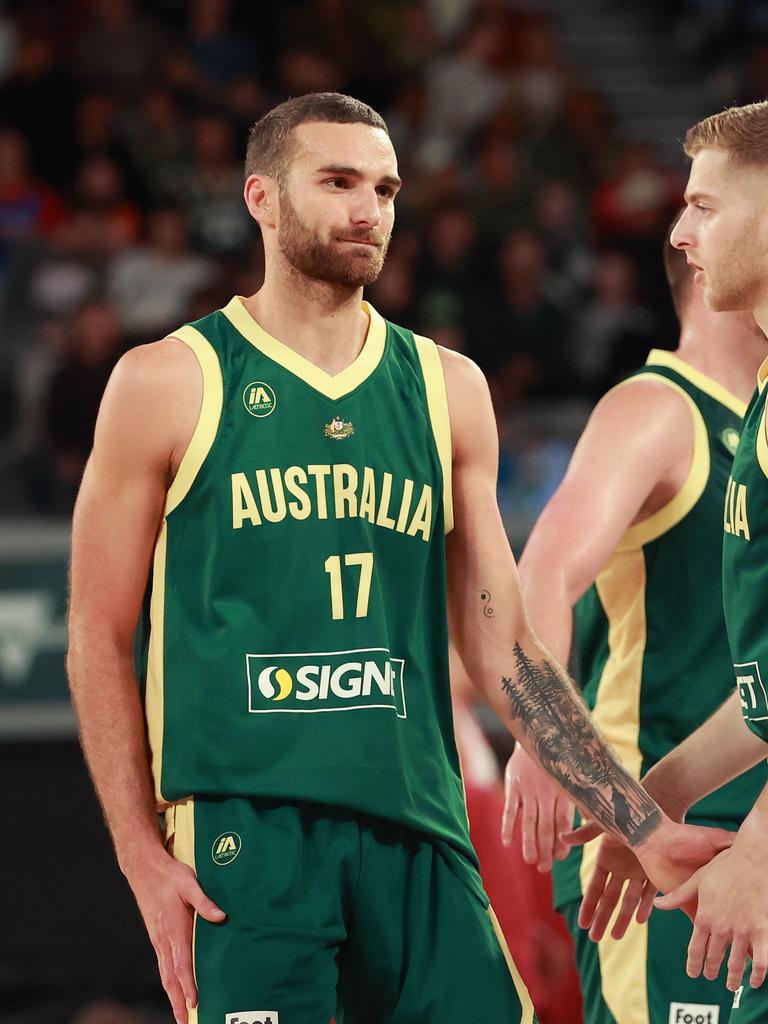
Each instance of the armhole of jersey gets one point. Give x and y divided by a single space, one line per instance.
208 421
761 444
677 509
437 404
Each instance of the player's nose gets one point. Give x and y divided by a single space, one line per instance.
681 237
366 210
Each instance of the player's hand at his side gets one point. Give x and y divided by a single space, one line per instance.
617 871
731 899
544 809
168 895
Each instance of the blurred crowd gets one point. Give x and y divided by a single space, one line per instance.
528 231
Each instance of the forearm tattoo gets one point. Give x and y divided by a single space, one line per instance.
573 753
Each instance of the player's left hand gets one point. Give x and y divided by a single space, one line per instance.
731 898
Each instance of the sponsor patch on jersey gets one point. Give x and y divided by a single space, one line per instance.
259 399
367 677
225 848
252 1017
730 438
754 698
693 1013
338 429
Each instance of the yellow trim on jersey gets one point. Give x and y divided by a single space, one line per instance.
621 589
762 374
678 508
153 697
711 387
333 387
437 403
183 815
761 444
526 1006
208 420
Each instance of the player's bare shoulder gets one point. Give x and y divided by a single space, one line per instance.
152 403
644 408
469 401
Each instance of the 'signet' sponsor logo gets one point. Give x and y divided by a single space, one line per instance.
368 677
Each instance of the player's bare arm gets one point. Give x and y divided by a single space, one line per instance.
631 459
519 678
142 432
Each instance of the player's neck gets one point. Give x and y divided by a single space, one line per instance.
728 353
324 323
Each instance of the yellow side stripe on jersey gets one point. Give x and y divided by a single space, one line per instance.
183 814
678 508
437 403
621 587
526 1006
208 420
761 444
153 697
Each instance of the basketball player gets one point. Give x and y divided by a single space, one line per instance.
633 538
282 474
724 235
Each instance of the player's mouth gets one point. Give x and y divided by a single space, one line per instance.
698 272
362 241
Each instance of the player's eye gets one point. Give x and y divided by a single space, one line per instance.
386 191
337 182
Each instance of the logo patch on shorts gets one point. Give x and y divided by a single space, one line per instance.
252 1017
693 1013
224 850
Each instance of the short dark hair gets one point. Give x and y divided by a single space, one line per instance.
678 270
741 131
270 143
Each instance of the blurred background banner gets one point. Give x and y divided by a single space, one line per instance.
539 143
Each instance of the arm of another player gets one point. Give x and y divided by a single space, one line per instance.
141 432
730 895
631 459
518 677
721 748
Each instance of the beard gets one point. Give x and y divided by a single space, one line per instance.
327 261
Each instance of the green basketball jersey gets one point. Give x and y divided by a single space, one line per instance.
298 643
654 661
745 552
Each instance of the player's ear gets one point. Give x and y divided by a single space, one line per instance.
260 194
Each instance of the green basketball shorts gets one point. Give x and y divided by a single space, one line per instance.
750 1005
335 914
641 978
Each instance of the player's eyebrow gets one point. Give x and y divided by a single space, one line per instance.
355 172
694 197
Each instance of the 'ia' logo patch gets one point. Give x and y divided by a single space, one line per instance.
259 399
226 847
338 429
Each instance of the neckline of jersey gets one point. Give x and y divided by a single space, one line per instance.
333 386
711 387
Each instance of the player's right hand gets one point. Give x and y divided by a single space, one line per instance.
544 810
169 895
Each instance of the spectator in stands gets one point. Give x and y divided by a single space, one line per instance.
117 48
212 190
75 389
100 189
564 231
158 141
519 332
151 285
501 197
613 330
28 207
